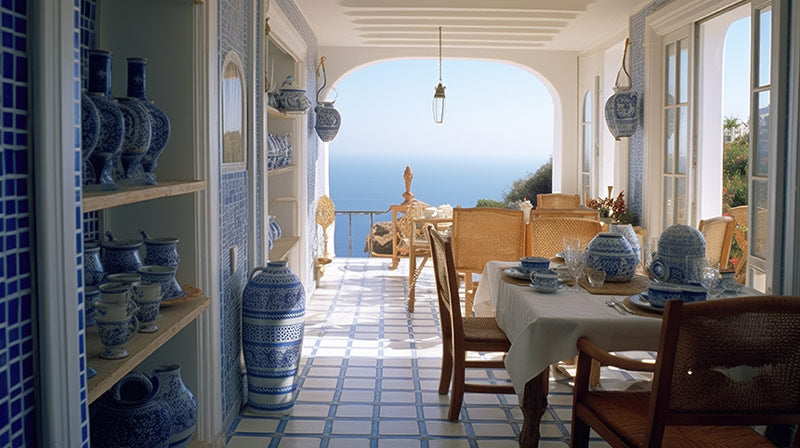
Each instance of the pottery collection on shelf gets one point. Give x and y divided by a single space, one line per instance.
121 138
279 151
145 412
273 316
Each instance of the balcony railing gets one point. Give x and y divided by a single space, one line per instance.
371 214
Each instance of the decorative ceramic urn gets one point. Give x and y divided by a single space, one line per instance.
678 248
131 415
273 315
291 98
612 253
160 125
329 120
111 132
622 108
181 403
627 231
121 255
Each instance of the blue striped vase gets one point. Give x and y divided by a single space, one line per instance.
273 315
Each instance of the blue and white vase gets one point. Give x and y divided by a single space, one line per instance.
112 123
329 120
159 121
678 247
273 315
160 251
274 228
622 108
120 255
131 415
181 402
90 131
626 230
93 273
291 98
137 137
612 253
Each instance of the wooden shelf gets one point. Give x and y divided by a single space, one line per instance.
282 246
93 201
285 169
275 113
282 199
142 345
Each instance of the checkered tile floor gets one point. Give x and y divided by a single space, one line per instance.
370 370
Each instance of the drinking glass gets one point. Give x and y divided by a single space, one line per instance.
571 244
574 261
596 277
710 280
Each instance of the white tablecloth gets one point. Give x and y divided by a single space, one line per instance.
545 328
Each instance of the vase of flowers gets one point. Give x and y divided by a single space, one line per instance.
612 210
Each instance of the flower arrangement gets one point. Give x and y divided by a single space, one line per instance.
611 207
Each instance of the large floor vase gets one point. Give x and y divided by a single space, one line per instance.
273 315
181 402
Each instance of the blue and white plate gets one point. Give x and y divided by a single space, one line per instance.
640 300
546 290
514 272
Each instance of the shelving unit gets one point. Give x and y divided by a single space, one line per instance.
142 345
282 246
93 201
286 169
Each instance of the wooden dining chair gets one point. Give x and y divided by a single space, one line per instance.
722 366
461 334
718 233
739 215
482 234
587 213
557 200
545 235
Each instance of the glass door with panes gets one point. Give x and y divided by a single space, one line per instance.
587 153
676 167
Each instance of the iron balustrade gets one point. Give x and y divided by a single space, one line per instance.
371 214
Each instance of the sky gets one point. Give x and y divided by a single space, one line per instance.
735 93
485 115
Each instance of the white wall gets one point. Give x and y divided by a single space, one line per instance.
556 69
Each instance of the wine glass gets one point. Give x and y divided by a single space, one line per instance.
575 265
710 280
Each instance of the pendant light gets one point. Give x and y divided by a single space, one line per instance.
438 95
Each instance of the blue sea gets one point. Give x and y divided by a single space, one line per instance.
374 182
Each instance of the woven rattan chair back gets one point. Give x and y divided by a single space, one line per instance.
483 234
446 285
739 215
546 235
557 200
718 233
725 361
587 213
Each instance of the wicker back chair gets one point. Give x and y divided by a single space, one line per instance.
719 234
461 334
545 235
588 213
739 215
557 200
482 234
722 366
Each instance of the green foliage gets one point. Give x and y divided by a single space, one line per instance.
735 161
528 187
490 203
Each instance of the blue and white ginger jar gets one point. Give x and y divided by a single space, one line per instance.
678 247
181 402
131 415
273 315
612 253
627 231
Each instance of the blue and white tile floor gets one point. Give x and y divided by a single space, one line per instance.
370 370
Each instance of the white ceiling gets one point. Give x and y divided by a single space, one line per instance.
571 25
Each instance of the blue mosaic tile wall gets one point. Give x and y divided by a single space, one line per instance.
315 188
88 40
636 162
234 213
17 381
79 7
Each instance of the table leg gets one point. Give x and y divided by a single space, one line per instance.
534 403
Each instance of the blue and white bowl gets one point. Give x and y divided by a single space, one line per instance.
659 293
612 253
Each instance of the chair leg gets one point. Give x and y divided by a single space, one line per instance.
457 394
580 433
447 367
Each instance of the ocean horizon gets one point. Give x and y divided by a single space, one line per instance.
375 182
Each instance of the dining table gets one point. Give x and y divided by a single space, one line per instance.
544 329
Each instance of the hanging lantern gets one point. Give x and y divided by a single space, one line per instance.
622 108
438 94
329 120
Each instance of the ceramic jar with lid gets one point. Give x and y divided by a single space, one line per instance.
678 248
613 254
120 255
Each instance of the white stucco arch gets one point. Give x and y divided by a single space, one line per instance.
557 70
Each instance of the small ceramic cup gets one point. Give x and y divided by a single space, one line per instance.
533 264
163 275
125 277
545 280
147 296
115 292
115 333
92 295
659 293
104 311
